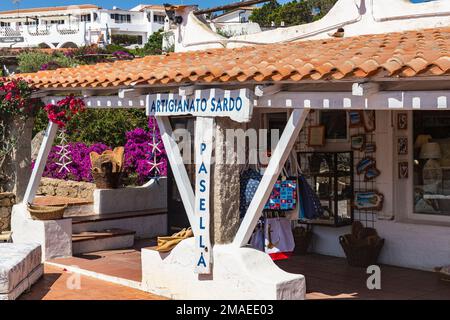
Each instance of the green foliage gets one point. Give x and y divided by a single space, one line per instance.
291 13
107 125
32 61
153 45
225 33
263 15
125 40
111 48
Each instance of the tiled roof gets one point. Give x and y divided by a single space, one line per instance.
402 54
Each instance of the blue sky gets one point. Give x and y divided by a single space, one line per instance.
126 4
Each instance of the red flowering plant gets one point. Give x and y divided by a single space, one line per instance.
64 110
16 106
15 98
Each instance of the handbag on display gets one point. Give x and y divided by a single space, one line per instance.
249 182
283 196
309 203
279 239
311 206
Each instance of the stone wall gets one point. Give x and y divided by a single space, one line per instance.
16 170
7 200
72 189
225 185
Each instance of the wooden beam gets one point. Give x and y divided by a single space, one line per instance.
187 90
383 100
129 93
273 170
262 90
178 169
365 88
39 94
106 102
41 160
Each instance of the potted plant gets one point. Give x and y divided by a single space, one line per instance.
107 168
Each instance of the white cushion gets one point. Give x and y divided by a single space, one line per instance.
17 261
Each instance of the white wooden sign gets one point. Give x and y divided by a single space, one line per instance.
236 104
203 151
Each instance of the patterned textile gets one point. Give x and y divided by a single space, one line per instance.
283 196
17 261
311 207
250 180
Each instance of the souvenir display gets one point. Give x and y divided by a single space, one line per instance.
368 200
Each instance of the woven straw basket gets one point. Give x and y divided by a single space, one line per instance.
46 212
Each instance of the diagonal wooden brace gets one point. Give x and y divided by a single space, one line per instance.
276 163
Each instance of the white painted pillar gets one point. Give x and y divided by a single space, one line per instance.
276 163
41 160
178 169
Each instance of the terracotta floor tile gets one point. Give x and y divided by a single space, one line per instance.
53 286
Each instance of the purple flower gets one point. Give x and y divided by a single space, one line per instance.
50 66
123 55
138 157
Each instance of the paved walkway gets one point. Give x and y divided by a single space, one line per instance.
56 284
326 278
332 278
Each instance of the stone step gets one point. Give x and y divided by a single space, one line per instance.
109 239
146 224
75 206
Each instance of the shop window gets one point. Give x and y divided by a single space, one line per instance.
431 161
335 122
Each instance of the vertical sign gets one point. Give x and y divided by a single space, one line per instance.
203 151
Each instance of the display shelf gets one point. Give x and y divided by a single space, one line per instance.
330 174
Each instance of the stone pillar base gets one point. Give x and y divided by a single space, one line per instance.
54 236
238 273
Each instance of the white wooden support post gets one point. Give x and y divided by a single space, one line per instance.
178 168
41 160
273 170
204 135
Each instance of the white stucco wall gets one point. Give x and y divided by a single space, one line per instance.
416 246
357 17
408 243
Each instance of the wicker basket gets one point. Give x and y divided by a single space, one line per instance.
302 241
46 212
361 253
107 180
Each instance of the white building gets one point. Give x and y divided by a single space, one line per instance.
235 22
78 25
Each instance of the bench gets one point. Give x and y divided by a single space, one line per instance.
20 267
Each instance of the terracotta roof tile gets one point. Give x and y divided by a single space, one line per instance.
402 54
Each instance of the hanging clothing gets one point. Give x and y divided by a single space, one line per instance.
279 239
257 239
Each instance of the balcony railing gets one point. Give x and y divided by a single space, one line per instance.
38 30
10 32
65 30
